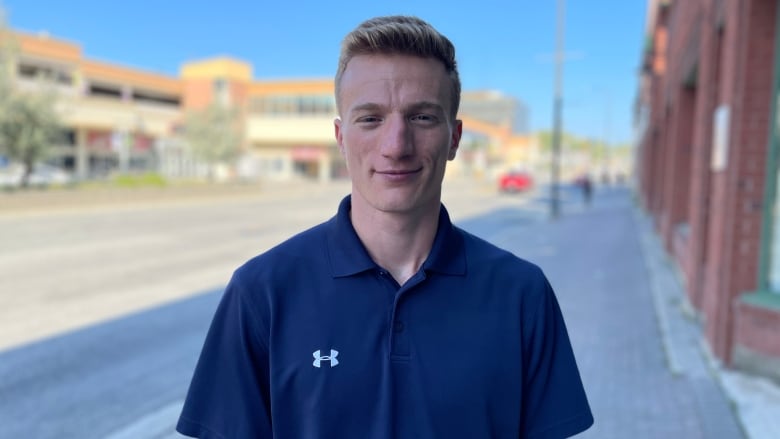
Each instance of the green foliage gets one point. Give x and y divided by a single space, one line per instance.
29 123
141 180
7 50
569 142
214 134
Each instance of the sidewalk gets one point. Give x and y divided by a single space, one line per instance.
756 400
639 349
43 201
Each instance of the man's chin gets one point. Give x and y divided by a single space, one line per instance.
394 206
393 199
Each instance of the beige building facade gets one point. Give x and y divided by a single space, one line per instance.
119 119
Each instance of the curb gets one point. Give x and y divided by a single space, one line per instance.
755 401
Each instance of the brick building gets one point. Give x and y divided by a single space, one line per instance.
707 127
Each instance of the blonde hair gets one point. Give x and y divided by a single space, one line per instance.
400 35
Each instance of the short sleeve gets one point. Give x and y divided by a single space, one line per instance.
229 393
554 400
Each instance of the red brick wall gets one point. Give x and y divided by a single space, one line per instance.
737 192
731 43
656 181
665 171
679 163
684 24
654 139
701 147
757 329
643 166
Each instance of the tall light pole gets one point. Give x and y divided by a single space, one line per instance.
557 112
605 151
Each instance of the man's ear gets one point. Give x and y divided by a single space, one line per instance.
339 135
457 132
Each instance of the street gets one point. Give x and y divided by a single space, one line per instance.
104 311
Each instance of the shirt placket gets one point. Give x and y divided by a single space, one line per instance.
398 322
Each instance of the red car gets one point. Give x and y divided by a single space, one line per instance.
515 181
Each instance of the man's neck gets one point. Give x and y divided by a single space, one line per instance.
397 242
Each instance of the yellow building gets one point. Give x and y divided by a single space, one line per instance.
113 115
122 119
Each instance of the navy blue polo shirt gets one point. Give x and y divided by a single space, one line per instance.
313 339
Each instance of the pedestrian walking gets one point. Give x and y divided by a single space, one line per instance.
388 321
586 185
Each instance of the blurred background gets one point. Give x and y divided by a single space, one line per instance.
627 147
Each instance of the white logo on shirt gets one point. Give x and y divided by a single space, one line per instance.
332 358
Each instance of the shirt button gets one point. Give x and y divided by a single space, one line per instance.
399 326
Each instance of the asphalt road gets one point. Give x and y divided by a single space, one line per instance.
63 268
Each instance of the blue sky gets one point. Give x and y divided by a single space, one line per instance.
501 45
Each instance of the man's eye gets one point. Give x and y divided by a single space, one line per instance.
368 119
424 118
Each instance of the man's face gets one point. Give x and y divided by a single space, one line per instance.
395 131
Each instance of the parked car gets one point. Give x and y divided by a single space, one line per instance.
515 181
43 176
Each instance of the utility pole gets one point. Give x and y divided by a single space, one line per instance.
557 112
605 166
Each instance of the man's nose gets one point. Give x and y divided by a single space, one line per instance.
397 138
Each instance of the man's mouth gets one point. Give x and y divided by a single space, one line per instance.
399 171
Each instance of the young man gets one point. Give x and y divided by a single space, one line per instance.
387 321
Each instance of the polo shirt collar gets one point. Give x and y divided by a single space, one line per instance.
348 256
448 253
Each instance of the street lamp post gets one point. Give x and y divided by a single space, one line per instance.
557 110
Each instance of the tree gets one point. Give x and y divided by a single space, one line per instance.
6 49
29 123
29 126
214 135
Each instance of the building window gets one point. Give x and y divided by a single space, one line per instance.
68 138
110 91
773 272
48 73
290 105
221 91
155 98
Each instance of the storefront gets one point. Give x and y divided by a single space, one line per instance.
709 159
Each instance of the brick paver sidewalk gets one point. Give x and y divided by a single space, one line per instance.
595 260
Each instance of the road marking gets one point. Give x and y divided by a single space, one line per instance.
158 424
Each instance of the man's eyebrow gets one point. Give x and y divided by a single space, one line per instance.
425 105
368 106
413 107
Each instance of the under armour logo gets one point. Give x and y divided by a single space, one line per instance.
332 358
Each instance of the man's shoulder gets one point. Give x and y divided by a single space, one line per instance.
299 252
482 252
499 270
